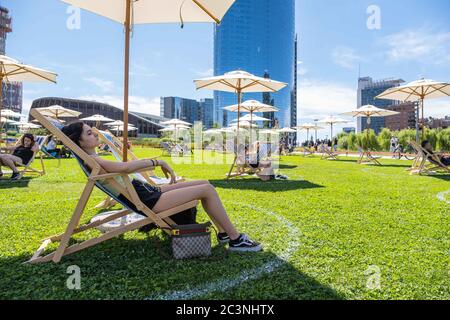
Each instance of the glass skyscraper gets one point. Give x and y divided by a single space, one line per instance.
368 89
257 36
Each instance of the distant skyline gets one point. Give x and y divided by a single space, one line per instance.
335 46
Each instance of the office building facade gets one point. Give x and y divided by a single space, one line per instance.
257 36
368 89
188 110
12 92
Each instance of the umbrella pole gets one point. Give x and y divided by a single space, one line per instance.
1 106
126 80
423 122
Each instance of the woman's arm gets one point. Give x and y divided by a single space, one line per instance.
136 165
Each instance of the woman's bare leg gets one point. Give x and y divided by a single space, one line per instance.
180 185
210 202
8 160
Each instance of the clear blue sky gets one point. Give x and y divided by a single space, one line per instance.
414 41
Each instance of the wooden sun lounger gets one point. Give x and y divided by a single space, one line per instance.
96 178
426 162
27 168
328 153
365 156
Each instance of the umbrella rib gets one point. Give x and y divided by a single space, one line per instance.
206 11
208 84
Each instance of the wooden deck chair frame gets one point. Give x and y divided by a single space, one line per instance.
328 153
27 168
308 151
429 163
95 175
245 168
365 156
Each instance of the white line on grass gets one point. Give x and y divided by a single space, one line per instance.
252 274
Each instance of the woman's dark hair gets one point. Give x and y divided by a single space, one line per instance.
29 136
74 131
424 143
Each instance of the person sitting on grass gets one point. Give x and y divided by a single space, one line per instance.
163 198
428 147
19 155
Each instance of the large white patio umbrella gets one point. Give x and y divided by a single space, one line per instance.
418 91
131 12
252 118
369 111
239 82
97 118
10 114
307 127
12 70
251 106
332 120
57 112
6 120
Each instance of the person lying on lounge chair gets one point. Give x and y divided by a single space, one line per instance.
428 147
19 155
165 197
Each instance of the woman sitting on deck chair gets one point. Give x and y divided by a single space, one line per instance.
445 160
165 197
19 155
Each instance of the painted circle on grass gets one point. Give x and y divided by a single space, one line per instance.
252 274
443 196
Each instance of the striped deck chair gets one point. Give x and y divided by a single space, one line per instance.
98 177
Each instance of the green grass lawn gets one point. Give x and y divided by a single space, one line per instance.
326 232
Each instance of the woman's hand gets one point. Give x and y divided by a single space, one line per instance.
167 170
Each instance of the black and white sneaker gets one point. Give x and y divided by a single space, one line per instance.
15 176
244 244
223 238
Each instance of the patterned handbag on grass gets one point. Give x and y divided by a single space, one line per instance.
191 241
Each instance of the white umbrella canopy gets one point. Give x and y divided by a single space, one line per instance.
332 120
286 130
10 113
5 120
307 127
13 70
157 11
129 12
252 118
268 131
59 112
370 111
116 123
239 82
122 128
26 125
97 118
243 124
252 106
418 91
176 122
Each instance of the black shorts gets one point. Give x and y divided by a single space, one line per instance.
148 194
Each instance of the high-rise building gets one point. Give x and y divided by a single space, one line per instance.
206 107
12 92
368 89
257 36
405 119
188 110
